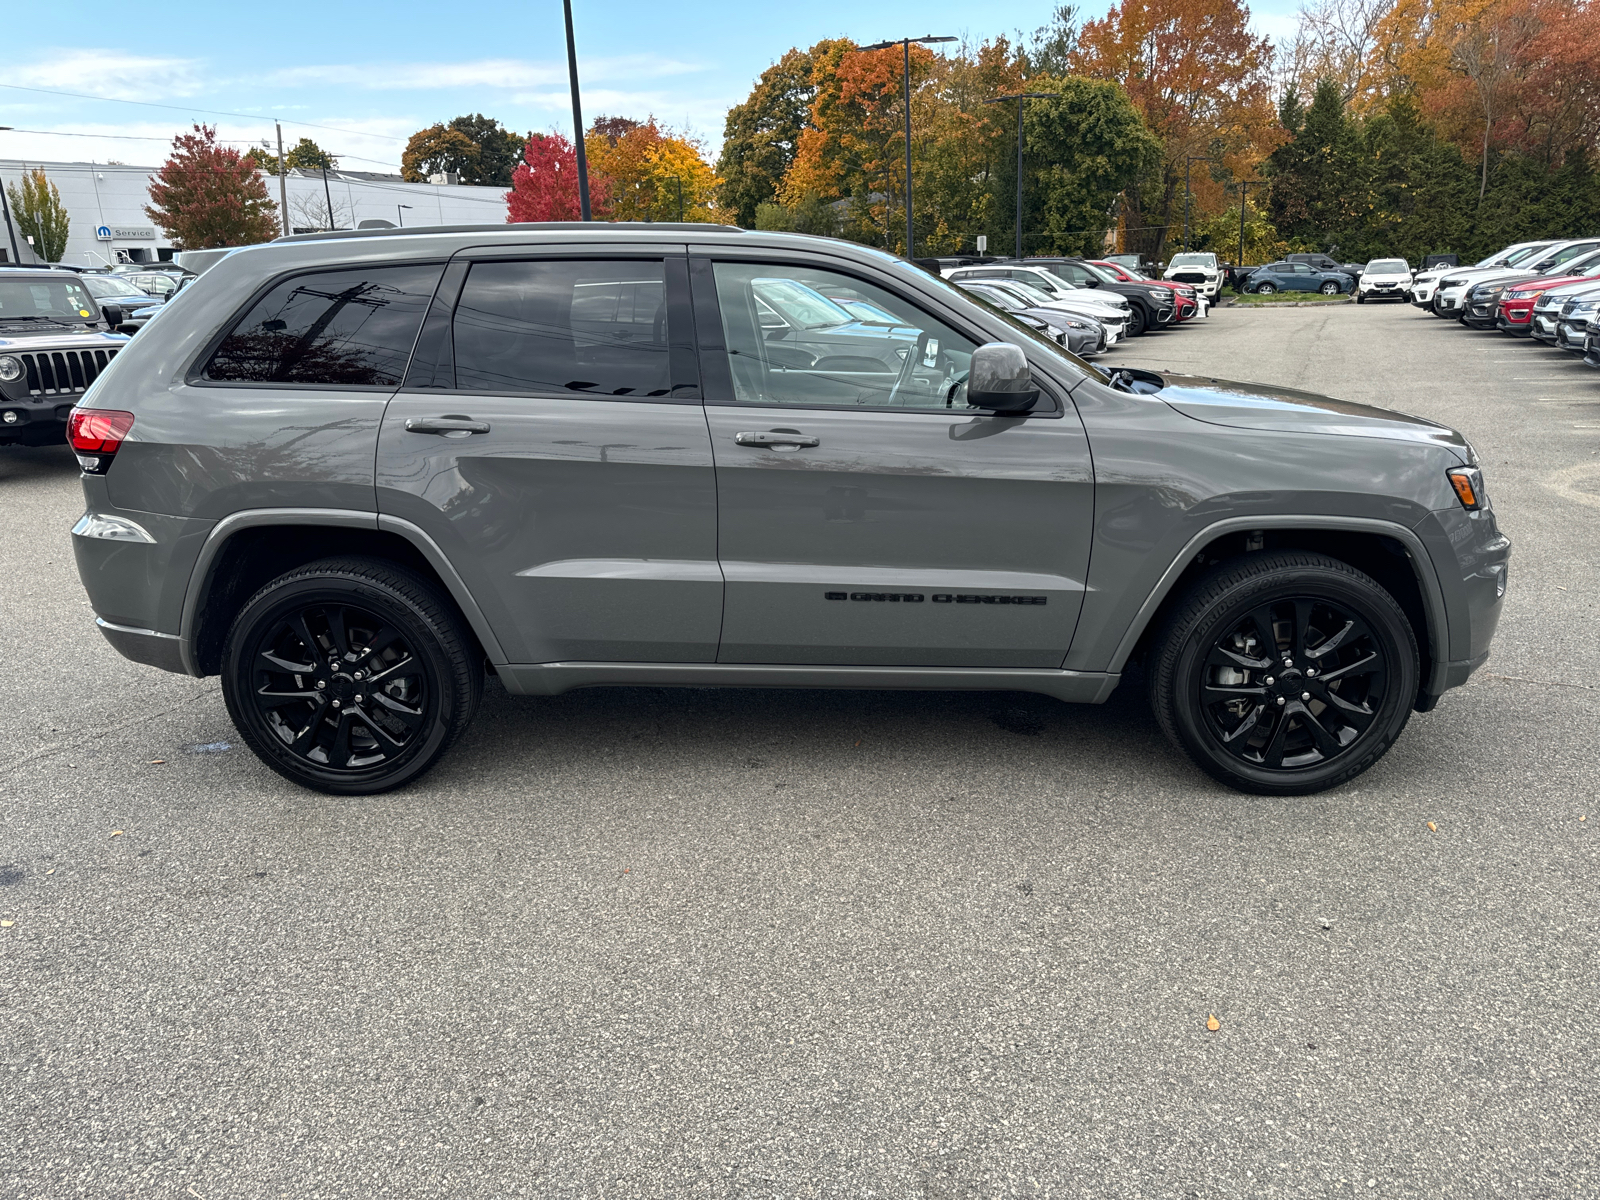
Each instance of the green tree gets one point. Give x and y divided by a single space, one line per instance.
762 136
1317 179
39 214
476 148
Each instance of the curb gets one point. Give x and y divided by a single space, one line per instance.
1233 302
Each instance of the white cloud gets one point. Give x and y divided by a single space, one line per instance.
107 73
1280 27
493 73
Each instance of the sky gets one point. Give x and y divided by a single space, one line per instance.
362 78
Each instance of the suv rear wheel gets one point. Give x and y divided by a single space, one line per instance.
1285 674
349 676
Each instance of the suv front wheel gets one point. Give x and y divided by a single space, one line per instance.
349 676
1285 673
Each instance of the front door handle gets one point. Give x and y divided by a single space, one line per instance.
452 425
782 440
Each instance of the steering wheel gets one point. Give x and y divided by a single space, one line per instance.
909 368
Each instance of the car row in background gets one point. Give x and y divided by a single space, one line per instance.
1548 291
1105 290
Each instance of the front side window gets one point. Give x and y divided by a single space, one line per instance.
594 328
823 354
351 328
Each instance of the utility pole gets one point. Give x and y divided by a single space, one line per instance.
283 184
1193 158
1019 97
332 224
11 231
577 115
905 44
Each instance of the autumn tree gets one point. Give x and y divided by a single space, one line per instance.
474 148
39 214
762 136
653 175
544 187
208 195
304 155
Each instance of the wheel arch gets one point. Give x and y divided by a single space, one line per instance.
1392 554
247 549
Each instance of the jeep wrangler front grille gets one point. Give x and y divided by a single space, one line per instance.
57 372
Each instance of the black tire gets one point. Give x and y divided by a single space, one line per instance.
1297 734
1265 289
1360 299
1136 320
346 622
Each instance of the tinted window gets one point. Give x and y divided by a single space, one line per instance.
351 328
792 340
596 328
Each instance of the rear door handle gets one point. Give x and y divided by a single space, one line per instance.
449 426
778 439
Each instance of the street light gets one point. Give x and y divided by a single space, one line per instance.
905 43
1193 158
400 214
1019 97
577 115
1244 193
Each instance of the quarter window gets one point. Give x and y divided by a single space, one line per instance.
594 328
332 328
798 336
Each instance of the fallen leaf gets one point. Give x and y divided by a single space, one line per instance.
1559 588
1212 1023
1433 827
154 761
6 924
116 833
1585 817
51 871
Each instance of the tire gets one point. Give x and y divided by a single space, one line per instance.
344 622
1360 299
1136 321
1265 289
1208 679
1330 288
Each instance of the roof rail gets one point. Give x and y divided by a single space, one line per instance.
528 226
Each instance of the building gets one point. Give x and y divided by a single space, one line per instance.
106 205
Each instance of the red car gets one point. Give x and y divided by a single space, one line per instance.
1188 303
1516 302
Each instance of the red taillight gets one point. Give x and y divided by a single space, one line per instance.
98 430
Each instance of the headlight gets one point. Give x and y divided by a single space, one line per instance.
1160 293
1579 308
10 369
1518 295
1079 325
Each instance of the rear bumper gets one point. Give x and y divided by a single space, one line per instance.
163 650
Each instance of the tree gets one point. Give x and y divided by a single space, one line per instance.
762 136
39 214
206 195
544 186
309 211
475 148
653 175
304 155
1317 190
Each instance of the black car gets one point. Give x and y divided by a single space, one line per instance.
54 342
1154 306
1321 262
118 297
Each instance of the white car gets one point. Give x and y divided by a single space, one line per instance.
1055 288
1426 282
1201 270
1384 279
1451 298
1079 302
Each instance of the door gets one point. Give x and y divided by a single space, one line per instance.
550 439
867 516
1301 278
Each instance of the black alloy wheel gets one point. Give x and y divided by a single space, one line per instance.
1331 288
349 676
1285 673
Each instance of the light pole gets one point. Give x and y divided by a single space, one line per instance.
400 214
905 44
1193 158
577 115
1244 194
11 232
1019 97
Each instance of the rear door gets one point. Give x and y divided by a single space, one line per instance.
867 516
550 439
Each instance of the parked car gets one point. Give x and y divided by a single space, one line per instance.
1151 306
1384 279
1296 277
1451 300
1200 270
1080 303
54 343
1136 263
572 455
1576 314
1080 335
1425 286
1591 342
117 297
1323 262
1189 301
1112 311
1481 307
1518 300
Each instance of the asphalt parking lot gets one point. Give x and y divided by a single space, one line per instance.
629 943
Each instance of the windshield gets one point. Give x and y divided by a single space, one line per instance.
1387 266
1516 256
106 286
1193 260
998 297
800 305
36 299
1026 290
864 310
1128 274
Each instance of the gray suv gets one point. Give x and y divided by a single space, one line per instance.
352 472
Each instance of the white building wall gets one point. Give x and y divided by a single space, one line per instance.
114 196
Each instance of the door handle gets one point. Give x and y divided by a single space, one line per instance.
450 426
778 439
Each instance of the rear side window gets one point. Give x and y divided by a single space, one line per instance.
596 328
332 328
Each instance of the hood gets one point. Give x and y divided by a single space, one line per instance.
1559 287
1284 410
1386 277
61 339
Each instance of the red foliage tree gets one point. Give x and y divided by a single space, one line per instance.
207 196
544 187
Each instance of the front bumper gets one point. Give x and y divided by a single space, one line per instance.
1391 291
1471 557
1543 327
34 421
1570 335
1591 347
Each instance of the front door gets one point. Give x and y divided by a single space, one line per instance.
867 516
550 439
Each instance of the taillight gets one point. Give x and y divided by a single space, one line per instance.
96 433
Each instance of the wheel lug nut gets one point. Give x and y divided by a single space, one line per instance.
1303 696
1310 672
336 703
1270 681
1280 700
360 698
321 683
357 675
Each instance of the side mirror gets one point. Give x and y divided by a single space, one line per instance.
112 313
999 380
1093 282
